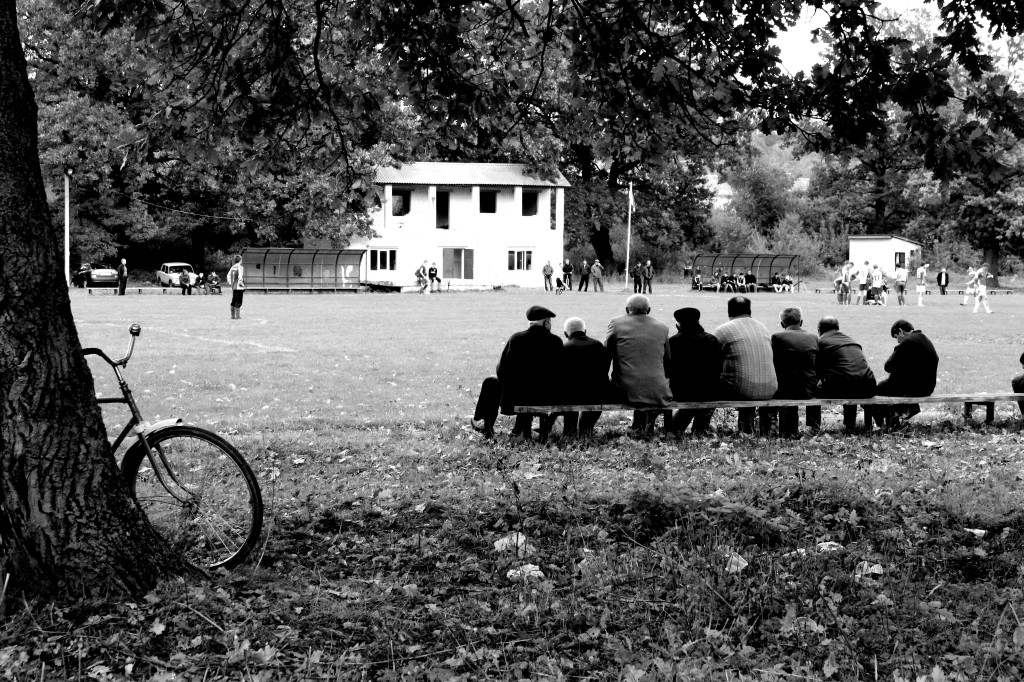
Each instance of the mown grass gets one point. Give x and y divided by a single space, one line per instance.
380 560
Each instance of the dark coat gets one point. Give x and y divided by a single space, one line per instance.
583 371
696 364
795 351
912 367
527 367
842 369
638 346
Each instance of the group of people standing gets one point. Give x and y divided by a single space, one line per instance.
869 284
642 363
642 274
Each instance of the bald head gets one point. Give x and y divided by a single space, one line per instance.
637 304
828 324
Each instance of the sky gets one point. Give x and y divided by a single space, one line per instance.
800 54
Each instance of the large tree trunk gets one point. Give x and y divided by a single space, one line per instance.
67 522
991 254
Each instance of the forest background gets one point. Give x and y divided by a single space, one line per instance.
158 175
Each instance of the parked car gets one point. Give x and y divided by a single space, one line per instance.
94 276
170 274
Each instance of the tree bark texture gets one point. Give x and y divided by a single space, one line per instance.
991 255
67 523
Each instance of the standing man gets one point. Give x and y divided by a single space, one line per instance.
567 275
863 273
842 369
421 278
876 285
547 271
584 276
122 277
695 371
847 277
943 281
922 283
638 275
748 369
901 284
981 277
528 363
432 274
969 288
648 275
641 359
913 368
794 353
597 271
236 278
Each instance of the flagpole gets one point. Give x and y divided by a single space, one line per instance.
629 228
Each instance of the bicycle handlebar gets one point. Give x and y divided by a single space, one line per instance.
135 330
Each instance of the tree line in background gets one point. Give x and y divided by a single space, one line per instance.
261 125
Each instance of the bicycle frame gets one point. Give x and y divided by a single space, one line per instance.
137 423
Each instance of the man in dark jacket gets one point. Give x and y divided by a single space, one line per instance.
584 276
528 362
794 352
638 275
583 373
695 370
842 369
567 271
648 274
913 368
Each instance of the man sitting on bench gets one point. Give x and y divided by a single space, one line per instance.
529 360
842 370
584 378
912 369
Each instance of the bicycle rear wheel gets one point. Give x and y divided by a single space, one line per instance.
202 497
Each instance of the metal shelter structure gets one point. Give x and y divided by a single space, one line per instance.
762 265
286 269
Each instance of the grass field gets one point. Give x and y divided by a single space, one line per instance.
895 556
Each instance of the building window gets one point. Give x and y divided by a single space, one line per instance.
383 259
401 201
520 260
442 204
488 201
457 264
530 203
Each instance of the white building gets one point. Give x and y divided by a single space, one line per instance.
885 251
483 224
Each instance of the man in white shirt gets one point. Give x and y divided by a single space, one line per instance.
922 282
901 284
862 283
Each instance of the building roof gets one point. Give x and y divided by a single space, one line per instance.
883 236
483 174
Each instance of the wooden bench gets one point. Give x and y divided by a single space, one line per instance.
969 400
961 292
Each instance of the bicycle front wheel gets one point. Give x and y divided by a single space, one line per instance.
199 493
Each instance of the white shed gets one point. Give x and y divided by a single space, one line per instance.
482 224
884 250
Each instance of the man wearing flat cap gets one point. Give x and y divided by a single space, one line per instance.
638 345
696 369
528 364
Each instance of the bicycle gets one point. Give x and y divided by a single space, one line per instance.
196 489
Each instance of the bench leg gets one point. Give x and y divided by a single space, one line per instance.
990 412
967 411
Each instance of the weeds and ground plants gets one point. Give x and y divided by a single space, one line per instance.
401 546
